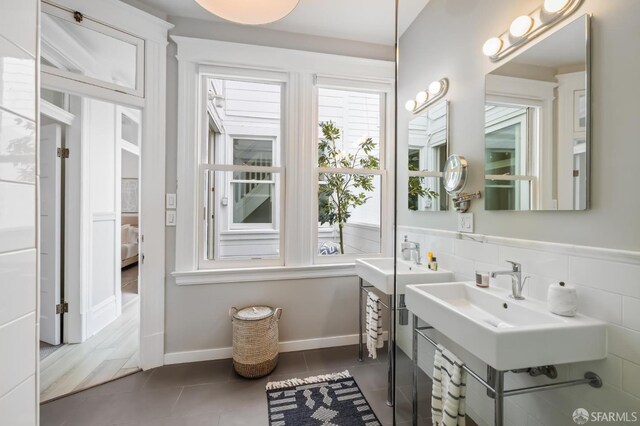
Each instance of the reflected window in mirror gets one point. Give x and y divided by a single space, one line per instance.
428 149
536 125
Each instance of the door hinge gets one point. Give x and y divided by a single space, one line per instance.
576 173
62 308
63 152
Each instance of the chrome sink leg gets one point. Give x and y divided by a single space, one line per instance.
360 315
414 357
390 351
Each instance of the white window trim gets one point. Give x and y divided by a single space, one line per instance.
197 56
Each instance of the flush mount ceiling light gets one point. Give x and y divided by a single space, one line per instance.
527 27
435 91
250 12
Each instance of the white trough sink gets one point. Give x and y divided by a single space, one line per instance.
505 333
379 273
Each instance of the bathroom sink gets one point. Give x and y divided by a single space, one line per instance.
505 333
379 273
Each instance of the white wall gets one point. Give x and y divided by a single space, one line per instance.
609 289
18 118
197 315
446 40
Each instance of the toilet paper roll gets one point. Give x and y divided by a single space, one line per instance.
562 300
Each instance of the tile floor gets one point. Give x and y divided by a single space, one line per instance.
211 394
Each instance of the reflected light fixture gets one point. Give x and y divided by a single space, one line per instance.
249 12
521 26
435 91
435 87
527 27
410 105
422 97
555 6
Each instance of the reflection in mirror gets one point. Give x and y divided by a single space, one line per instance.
428 150
536 126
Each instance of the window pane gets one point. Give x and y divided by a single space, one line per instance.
508 194
241 216
349 210
243 206
349 128
80 50
252 202
250 152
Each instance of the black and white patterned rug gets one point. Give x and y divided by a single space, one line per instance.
327 400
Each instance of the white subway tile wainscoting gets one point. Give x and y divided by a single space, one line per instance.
608 285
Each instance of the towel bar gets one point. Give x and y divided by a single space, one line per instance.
390 347
495 382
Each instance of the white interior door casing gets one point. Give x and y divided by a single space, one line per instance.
50 232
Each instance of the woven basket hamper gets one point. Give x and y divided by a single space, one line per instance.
255 340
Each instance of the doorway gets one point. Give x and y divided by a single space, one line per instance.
90 197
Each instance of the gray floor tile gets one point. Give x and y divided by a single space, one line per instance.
211 394
222 397
195 373
338 358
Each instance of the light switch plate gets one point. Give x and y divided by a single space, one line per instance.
171 201
465 222
170 218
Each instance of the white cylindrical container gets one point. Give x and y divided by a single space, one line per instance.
562 300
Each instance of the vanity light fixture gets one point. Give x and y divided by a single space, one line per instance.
527 27
492 46
521 26
555 6
250 12
422 97
435 91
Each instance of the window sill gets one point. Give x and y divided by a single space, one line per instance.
273 273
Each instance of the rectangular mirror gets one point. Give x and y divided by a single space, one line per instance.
537 125
428 150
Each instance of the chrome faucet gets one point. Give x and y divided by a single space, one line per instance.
415 248
517 284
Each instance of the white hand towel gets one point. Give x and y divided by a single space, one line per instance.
449 389
374 325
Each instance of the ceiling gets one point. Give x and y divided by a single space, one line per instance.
360 20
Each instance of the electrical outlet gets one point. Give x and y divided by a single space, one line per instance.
465 222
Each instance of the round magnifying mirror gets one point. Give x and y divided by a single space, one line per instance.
455 174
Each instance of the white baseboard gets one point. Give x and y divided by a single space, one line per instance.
290 346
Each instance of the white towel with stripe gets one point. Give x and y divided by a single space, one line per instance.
449 389
374 325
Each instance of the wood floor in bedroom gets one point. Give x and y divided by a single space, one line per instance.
111 353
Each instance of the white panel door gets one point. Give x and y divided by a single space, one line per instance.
50 227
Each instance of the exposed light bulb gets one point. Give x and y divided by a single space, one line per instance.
555 6
492 46
410 105
422 97
521 26
435 87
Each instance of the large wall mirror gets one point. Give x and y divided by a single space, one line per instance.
428 150
537 125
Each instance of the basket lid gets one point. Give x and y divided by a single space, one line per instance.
254 313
